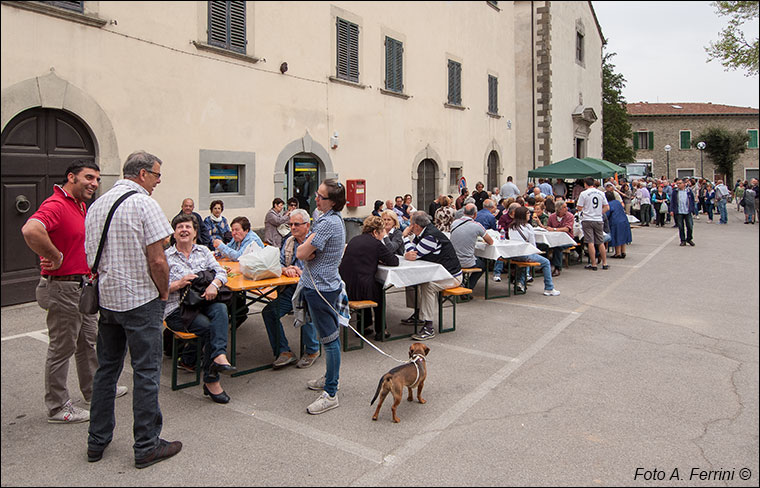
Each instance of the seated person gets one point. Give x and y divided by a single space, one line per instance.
521 230
359 266
540 217
560 221
378 208
188 207
242 237
274 311
464 235
185 259
216 224
393 239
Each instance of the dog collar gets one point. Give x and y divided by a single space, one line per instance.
416 367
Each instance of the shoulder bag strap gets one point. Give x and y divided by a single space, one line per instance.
94 268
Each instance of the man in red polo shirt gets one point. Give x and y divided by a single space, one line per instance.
56 233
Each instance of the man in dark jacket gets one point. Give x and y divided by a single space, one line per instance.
204 239
682 208
423 240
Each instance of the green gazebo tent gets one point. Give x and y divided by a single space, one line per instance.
618 169
572 168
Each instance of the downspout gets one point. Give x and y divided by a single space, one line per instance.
533 83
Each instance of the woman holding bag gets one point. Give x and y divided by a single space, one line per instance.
186 259
661 202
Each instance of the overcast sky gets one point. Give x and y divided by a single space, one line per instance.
660 53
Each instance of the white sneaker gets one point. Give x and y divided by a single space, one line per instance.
120 392
497 277
70 414
322 404
318 384
551 293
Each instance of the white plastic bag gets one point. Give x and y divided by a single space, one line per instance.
260 263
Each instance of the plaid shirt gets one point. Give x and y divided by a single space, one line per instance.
329 239
125 281
200 259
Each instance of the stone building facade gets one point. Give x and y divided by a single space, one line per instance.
656 125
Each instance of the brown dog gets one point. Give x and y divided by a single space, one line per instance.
407 375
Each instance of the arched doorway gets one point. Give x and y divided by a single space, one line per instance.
427 183
492 179
303 174
36 147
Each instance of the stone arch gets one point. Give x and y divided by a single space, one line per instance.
494 146
427 153
304 144
51 91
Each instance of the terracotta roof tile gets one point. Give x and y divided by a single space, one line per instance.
643 108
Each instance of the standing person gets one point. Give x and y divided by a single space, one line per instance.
132 304
692 186
559 188
739 195
216 224
275 310
756 189
56 233
188 208
721 198
749 203
620 228
445 215
509 189
274 218
592 204
321 254
682 209
709 201
646 203
480 195
661 203
546 187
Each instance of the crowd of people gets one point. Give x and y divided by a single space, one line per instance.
75 243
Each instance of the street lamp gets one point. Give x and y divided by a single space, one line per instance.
701 146
667 153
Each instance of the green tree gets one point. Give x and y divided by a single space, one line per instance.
732 49
723 147
616 129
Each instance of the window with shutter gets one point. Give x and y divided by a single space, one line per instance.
348 50
75 6
579 47
455 83
752 143
394 78
685 139
651 139
493 90
226 25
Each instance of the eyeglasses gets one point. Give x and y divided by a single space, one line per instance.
296 224
320 197
157 175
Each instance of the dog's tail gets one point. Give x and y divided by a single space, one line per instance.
379 386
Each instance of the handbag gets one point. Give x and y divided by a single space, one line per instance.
190 297
664 207
89 301
636 204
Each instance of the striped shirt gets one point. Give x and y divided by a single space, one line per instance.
329 239
125 281
427 245
200 259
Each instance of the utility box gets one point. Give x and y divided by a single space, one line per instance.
356 193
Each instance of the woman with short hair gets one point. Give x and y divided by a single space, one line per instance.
216 224
393 240
242 237
274 219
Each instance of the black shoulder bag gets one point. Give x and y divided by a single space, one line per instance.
88 300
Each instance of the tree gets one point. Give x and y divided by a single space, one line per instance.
616 129
723 147
732 49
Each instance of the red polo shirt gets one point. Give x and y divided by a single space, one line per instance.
567 221
63 218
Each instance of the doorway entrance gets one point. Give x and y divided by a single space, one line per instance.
492 179
36 147
427 179
303 173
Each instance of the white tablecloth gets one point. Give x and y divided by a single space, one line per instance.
410 273
504 249
554 239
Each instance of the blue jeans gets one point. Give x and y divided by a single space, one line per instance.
272 314
211 325
546 267
140 330
325 319
498 267
723 212
687 221
709 208
557 256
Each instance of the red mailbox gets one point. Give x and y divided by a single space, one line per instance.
356 193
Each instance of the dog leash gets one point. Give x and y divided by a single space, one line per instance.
308 270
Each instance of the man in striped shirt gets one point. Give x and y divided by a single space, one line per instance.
423 240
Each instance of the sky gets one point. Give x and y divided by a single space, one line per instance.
661 55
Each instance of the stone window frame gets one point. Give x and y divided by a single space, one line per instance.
246 194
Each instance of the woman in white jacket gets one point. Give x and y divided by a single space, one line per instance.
521 230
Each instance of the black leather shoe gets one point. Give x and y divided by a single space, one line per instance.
93 456
165 450
222 368
222 397
412 320
379 338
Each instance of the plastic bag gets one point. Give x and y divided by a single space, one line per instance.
261 263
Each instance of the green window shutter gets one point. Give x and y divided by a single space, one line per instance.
226 25
394 65
651 140
348 50
493 90
685 139
635 141
455 83
752 143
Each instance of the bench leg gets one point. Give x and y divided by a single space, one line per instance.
360 325
441 301
175 360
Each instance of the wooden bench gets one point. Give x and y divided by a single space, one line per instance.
185 336
519 265
450 295
566 253
355 306
466 272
